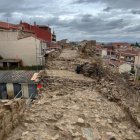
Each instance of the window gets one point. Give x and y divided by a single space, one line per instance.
3 91
43 47
32 90
17 89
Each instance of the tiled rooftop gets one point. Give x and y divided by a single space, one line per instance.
16 76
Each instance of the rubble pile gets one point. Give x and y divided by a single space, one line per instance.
93 69
124 96
11 113
115 89
57 82
62 65
66 61
75 108
53 55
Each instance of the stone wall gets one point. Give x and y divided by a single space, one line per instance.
11 112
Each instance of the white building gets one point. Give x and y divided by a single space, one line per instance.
28 49
116 66
101 51
124 67
137 60
131 56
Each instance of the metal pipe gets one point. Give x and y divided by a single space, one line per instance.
18 94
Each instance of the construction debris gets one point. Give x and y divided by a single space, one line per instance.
79 108
114 88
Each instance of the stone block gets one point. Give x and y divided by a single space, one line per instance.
15 122
1 134
8 129
7 117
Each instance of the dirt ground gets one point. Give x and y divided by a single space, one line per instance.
73 110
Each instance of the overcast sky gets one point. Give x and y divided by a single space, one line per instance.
103 20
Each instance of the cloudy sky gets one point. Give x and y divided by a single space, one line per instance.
103 20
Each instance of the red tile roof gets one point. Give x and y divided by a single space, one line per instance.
98 46
6 25
40 33
114 62
118 45
129 53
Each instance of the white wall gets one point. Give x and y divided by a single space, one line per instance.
24 49
25 90
137 60
10 90
104 52
124 68
8 35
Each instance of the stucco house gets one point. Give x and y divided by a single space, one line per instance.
117 66
131 56
121 45
102 52
25 42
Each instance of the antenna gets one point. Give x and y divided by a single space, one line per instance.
7 27
30 24
7 23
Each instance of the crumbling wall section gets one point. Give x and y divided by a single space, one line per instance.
88 49
11 113
115 89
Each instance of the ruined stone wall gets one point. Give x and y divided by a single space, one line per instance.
11 112
89 49
123 95
115 89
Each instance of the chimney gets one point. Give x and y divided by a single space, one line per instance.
20 21
34 23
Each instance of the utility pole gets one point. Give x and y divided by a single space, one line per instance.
136 68
135 77
30 24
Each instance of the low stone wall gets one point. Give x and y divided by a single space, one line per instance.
11 112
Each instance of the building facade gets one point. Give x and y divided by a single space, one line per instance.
30 50
24 42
